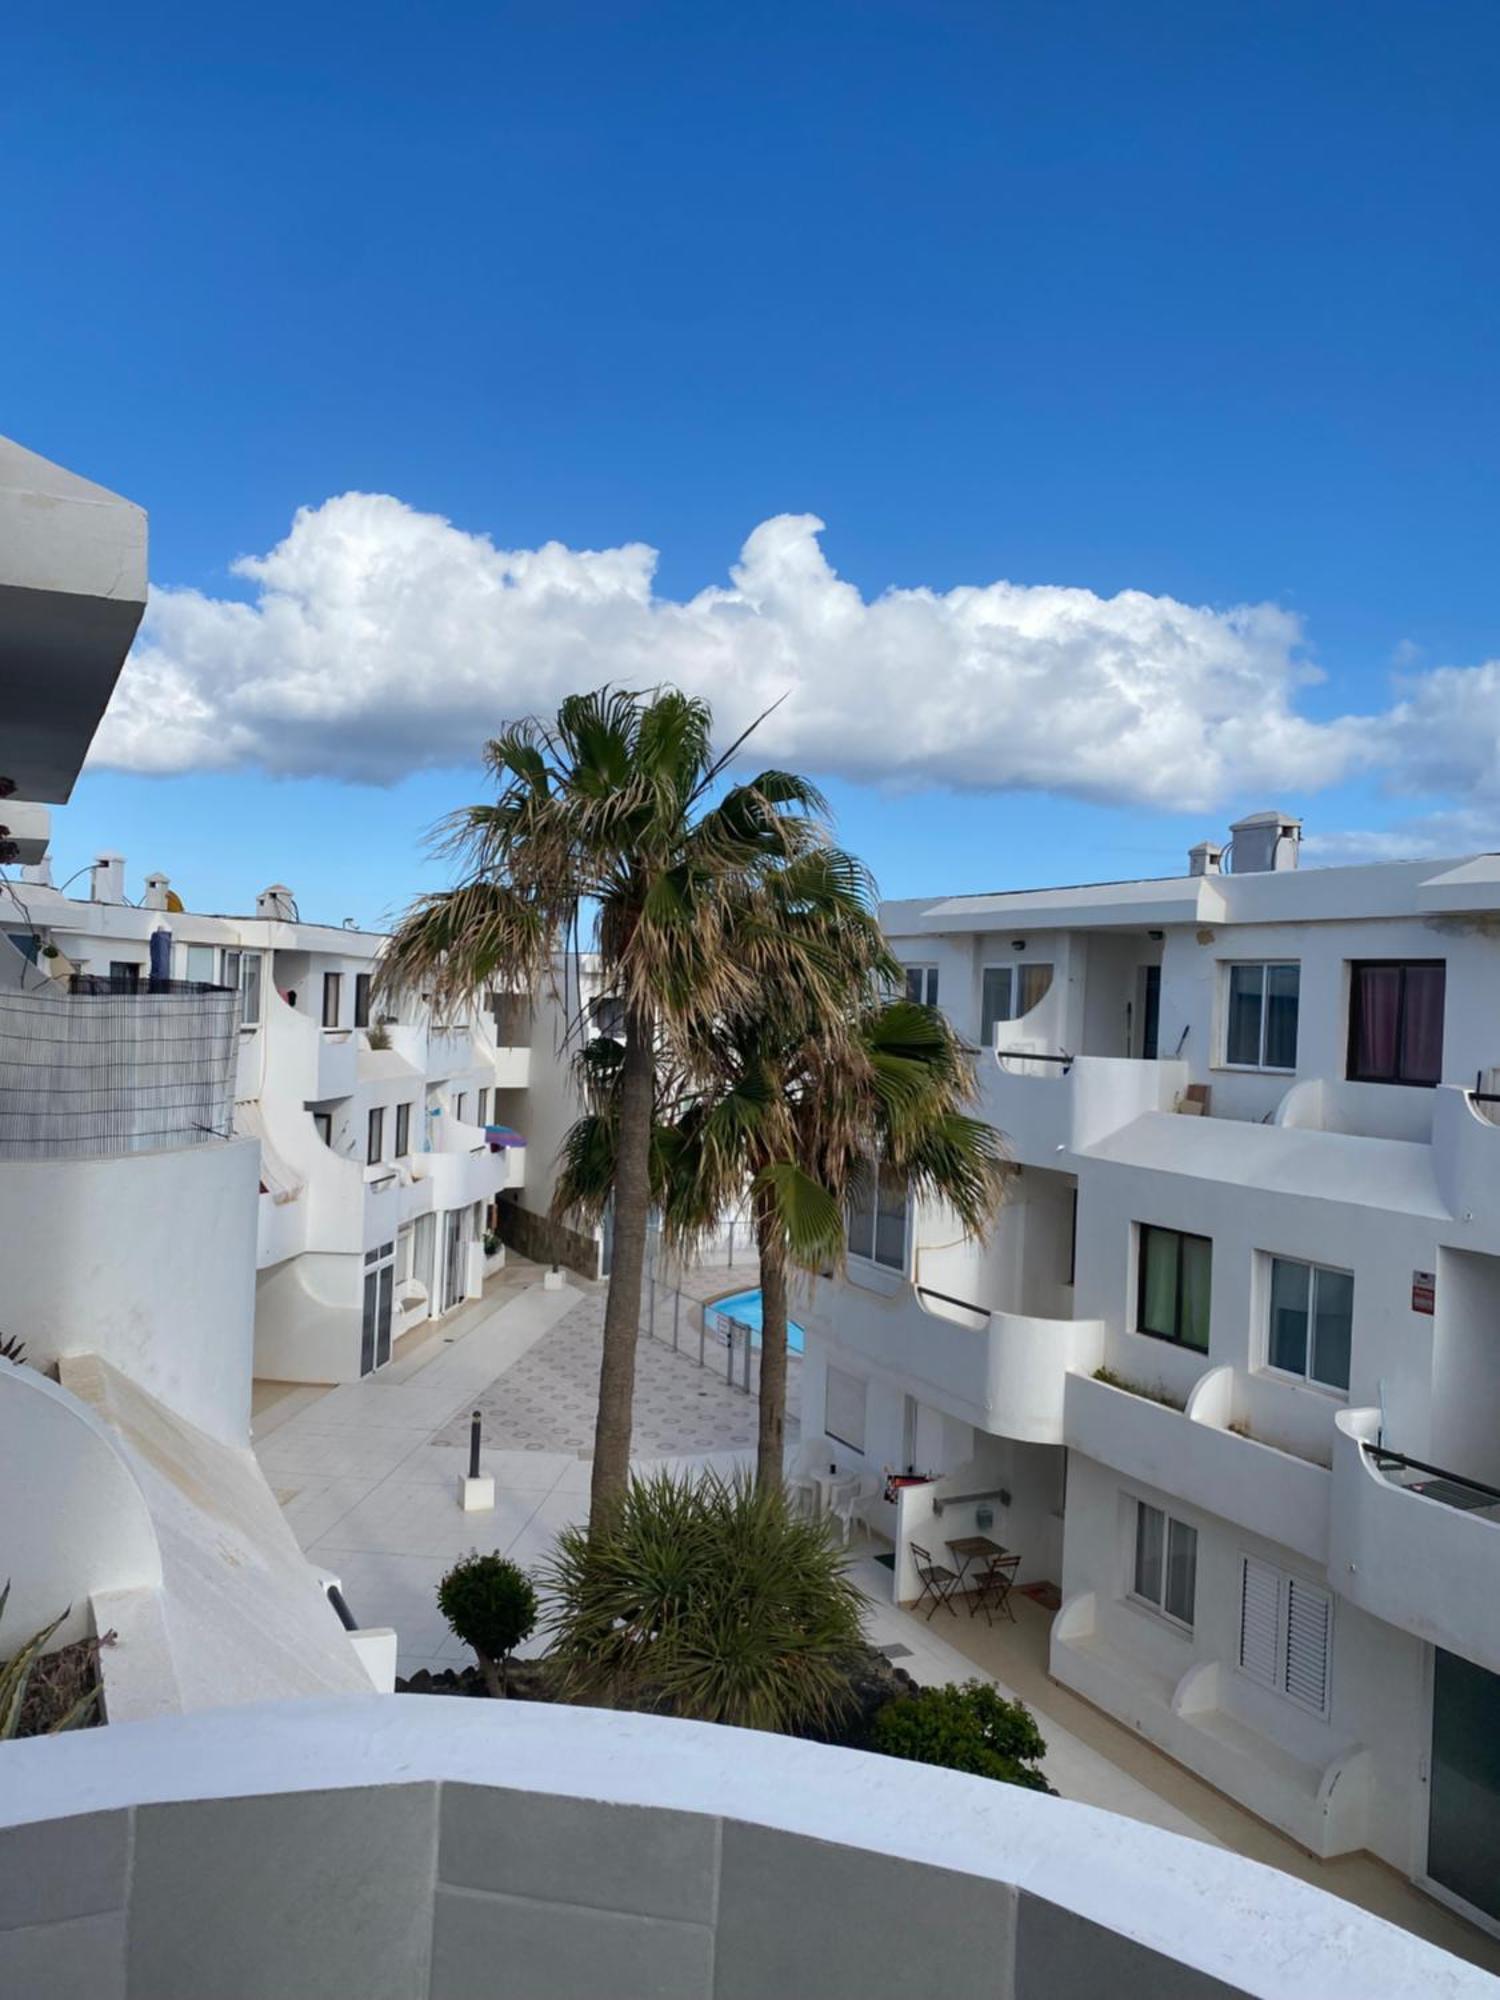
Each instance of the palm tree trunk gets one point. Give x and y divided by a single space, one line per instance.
771 1439
622 1309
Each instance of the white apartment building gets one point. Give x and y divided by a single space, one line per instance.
1228 1372
129 1496
385 1137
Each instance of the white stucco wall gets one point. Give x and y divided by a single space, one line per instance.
147 1260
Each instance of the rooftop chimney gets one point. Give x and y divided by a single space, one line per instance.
1206 858
277 903
107 879
1264 842
157 886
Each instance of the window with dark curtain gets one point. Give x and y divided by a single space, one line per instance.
332 987
361 999
1396 1021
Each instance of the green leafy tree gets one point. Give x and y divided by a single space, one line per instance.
706 1598
491 1605
970 1728
614 825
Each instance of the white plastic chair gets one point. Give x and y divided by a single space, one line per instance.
802 1495
847 1504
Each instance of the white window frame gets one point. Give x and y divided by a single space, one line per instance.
375 1136
1304 1377
925 975
868 1255
198 964
402 1139
1291 1592
1229 966
1158 1607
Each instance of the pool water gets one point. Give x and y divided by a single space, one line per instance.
745 1307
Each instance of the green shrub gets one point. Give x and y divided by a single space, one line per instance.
16 1684
491 1606
710 1599
970 1728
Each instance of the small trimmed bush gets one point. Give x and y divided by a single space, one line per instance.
969 1728
489 1604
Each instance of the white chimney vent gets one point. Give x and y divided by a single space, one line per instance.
157 886
107 879
1206 858
1264 843
277 903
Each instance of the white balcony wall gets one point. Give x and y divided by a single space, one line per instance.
1048 1113
1195 1457
1003 1374
1431 1569
145 1259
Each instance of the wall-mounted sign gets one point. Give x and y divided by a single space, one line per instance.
1423 1291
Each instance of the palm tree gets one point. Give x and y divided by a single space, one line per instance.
795 1095
605 826
805 1121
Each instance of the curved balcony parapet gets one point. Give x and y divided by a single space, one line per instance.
1049 1104
1414 1544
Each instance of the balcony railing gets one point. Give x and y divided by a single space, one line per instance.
1451 1489
111 1067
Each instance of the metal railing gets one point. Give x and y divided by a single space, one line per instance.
1451 1489
701 1333
964 1305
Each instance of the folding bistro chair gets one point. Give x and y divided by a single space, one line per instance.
992 1592
938 1583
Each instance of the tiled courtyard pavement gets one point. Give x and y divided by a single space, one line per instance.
547 1401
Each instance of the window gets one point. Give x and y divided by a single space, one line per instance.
1007 992
461 1107
608 1016
403 1130
1311 1321
1165 1572
124 975
198 964
361 999
877 1219
922 984
323 1126
333 998
1260 1019
249 985
1286 1627
1175 1277
375 1147
403 1255
482 1115
1396 1021
844 1409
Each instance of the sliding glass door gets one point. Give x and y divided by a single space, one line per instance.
1463 1828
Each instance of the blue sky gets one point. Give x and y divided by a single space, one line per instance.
1197 302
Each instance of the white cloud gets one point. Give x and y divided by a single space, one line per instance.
379 640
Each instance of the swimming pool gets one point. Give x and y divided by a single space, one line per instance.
745 1307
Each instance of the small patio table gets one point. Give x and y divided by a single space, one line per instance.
969 1549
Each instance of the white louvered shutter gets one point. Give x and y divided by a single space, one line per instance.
1309 1615
1260 1600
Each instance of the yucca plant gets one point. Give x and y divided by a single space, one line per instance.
706 1598
15 1679
12 1348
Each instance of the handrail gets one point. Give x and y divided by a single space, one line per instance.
1035 1055
942 1500
967 1305
1384 1458
346 1617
